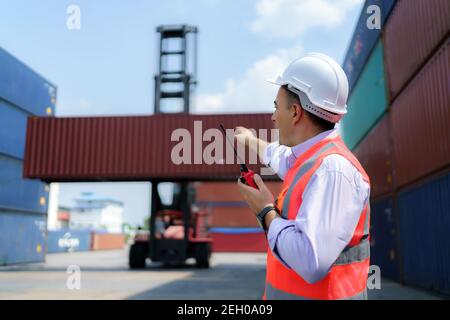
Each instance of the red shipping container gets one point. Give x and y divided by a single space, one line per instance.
132 148
228 191
232 217
420 121
240 242
414 30
107 241
375 154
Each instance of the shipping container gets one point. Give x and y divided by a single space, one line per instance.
415 29
227 191
107 241
375 154
383 238
229 214
364 39
13 126
68 241
367 102
424 233
17 193
238 240
420 121
22 237
134 148
24 88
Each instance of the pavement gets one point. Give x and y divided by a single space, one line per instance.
105 275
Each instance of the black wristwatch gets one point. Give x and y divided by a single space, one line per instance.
262 215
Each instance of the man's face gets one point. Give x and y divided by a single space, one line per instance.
283 116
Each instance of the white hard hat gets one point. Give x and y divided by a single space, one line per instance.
320 83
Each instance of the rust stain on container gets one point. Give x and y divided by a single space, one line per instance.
420 121
128 148
414 30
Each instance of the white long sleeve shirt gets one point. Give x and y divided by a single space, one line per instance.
332 203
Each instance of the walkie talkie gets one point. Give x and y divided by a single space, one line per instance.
246 174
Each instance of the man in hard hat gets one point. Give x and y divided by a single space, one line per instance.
318 227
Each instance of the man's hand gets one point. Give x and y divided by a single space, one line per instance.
256 199
244 135
246 138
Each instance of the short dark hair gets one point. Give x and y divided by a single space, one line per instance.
323 124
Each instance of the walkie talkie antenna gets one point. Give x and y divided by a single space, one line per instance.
246 174
234 148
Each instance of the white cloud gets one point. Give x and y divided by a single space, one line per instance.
290 18
250 93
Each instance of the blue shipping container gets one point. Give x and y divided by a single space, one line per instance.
364 40
68 241
25 88
383 233
13 127
424 233
17 193
22 237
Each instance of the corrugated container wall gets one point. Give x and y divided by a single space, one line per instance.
409 146
364 39
420 121
23 203
414 30
225 204
13 128
425 242
123 148
375 154
238 240
234 227
368 101
383 232
18 193
24 88
22 237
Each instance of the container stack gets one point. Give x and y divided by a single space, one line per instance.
399 110
233 226
23 202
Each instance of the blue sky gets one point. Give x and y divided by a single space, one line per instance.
107 67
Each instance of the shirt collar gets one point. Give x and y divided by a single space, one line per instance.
301 148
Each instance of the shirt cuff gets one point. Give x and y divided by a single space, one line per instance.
276 227
268 152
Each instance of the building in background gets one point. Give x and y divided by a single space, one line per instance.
63 218
96 212
397 125
23 202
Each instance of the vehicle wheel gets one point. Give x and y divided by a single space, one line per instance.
202 256
138 254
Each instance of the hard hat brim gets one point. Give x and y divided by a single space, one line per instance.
278 81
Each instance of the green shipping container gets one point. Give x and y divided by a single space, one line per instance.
367 101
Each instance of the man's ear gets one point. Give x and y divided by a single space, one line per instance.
298 112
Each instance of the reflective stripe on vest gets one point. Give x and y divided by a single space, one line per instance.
273 293
300 173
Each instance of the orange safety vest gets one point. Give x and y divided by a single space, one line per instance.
347 277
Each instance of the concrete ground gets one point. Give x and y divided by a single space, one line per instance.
105 275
